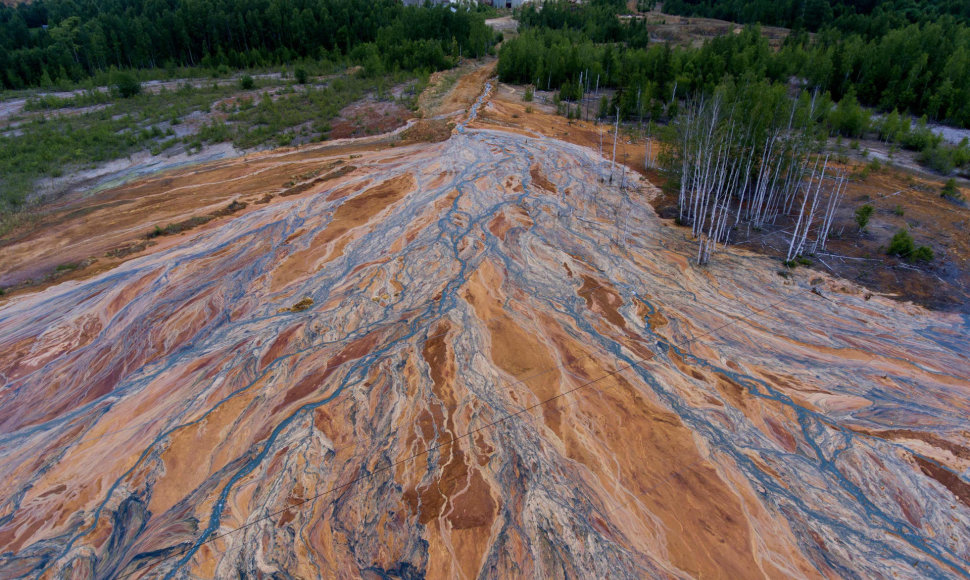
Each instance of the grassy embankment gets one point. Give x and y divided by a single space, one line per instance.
56 135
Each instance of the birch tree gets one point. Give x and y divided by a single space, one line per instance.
747 157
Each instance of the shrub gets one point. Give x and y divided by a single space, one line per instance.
901 245
246 83
898 210
529 94
126 85
862 216
301 75
848 118
922 254
893 126
862 174
938 158
950 190
920 137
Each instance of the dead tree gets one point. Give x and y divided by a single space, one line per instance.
746 160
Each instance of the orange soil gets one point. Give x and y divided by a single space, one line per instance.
507 110
105 230
467 89
349 215
642 440
102 231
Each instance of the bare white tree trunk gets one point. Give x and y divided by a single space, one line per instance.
737 165
616 132
835 197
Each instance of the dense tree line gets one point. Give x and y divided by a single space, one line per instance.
597 20
871 18
746 123
922 69
50 40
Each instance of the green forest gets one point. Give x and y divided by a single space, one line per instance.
900 59
746 121
50 41
921 67
85 45
869 17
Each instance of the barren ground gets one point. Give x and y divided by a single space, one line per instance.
474 356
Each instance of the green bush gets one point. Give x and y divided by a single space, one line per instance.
300 75
126 85
529 93
922 254
849 118
893 127
247 83
797 261
920 137
901 245
215 132
950 190
862 216
47 147
87 98
938 158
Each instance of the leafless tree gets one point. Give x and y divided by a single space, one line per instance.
745 158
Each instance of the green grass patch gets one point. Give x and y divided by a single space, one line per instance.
48 147
51 147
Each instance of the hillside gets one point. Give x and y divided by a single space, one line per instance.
458 353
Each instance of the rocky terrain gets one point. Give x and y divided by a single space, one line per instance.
469 358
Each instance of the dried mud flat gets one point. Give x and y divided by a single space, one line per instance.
472 358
